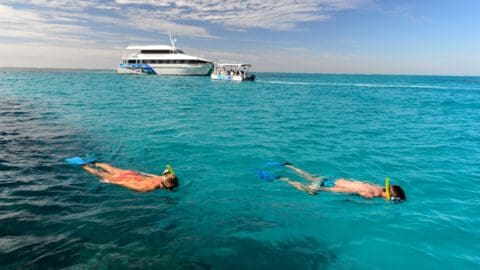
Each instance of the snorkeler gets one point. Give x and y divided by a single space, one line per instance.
392 193
138 181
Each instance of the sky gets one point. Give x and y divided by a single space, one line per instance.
324 36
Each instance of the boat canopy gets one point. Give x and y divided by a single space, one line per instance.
150 47
234 65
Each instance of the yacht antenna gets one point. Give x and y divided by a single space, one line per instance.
172 41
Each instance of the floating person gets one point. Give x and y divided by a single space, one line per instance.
393 193
138 181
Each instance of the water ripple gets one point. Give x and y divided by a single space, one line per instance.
422 132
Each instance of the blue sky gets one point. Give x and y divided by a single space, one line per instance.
327 36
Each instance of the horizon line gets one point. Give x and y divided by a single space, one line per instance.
278 72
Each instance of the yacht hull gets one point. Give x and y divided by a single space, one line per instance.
183 69
221 77
167 69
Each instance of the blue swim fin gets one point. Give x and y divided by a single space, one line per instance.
80 161
273 164
276 164
265 175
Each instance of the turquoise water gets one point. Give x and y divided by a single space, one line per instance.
421 131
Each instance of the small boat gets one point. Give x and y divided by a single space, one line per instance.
163 60
232 72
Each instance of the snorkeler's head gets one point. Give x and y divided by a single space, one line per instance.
170 181
397 193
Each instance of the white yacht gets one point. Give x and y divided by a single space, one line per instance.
232 72
163 60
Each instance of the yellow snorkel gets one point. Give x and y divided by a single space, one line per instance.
170 169
387 189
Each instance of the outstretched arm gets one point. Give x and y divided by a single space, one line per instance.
298 185
303 173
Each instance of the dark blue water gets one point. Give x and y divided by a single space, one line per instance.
422 132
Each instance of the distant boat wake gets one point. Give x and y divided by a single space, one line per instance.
370 85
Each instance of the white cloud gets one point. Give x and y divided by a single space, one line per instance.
155 21
29 25
102 23
54 27
81 33
9 15
266 14
182 17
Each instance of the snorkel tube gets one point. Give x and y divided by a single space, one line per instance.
170 169
388 197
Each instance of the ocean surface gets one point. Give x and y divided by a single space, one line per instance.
421 131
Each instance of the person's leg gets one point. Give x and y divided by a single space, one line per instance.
303 173
298 185
105 175
109 168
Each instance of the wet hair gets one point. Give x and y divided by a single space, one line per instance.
398 192
171 181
